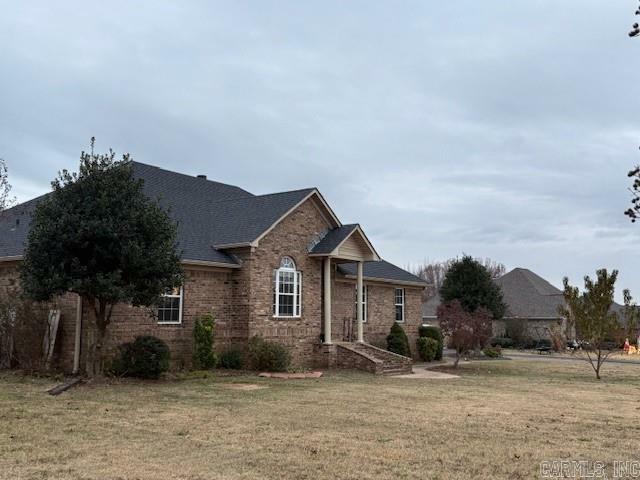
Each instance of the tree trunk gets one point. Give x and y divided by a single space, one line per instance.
97 351
455 363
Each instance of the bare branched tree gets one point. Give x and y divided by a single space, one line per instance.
635 27
6 200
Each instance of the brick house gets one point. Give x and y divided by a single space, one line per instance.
281 266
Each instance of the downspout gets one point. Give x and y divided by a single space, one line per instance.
76 351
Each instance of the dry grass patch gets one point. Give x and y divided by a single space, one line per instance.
499 420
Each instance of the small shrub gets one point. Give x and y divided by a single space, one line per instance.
502 342
233 359
429 331
427 348
268 356
397 341
145 357
204 356
492 352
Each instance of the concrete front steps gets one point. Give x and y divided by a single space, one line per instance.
363 356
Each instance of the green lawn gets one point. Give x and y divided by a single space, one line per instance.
499 420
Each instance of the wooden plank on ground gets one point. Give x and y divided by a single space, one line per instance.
63 387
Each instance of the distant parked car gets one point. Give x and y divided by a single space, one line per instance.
573 345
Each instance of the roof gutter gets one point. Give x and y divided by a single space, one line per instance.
204 263
12 258
388 280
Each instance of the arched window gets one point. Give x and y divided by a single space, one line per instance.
287 291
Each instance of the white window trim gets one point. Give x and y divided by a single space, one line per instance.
395 299
180 305
297 299
365 302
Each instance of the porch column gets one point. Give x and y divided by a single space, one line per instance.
360 304
327 301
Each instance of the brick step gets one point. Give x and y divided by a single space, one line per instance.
388 363
396 371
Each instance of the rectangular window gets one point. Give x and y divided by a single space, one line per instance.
365 301
287 294
399 304
170 308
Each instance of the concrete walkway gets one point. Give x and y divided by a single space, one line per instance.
423 370
577 357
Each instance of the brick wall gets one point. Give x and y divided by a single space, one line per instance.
65 341
292 238
381 311
205 291
241 301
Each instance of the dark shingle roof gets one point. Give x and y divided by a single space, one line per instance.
14 228
207 213
528 295
382 270
333 238
244 220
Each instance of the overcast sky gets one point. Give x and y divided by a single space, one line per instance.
501 129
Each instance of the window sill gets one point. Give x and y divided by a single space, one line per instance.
169 323
276 317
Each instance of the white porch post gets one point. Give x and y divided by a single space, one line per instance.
327 301
360 309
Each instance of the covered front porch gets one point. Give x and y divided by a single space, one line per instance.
346 244
349 244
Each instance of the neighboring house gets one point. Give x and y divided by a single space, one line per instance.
281 266
531 298
528 297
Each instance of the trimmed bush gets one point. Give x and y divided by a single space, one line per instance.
429 331
145 357
267 356
492 352
502 342
427 348
204 356
397 341
233 359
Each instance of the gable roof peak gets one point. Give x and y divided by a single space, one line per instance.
520 275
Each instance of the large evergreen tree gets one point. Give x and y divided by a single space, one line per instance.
96 234
470 282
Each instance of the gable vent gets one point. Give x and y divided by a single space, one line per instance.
203 177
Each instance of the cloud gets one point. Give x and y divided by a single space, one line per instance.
502 131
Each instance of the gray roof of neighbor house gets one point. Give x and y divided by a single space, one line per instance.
210 215
528 295
382 270
333 238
